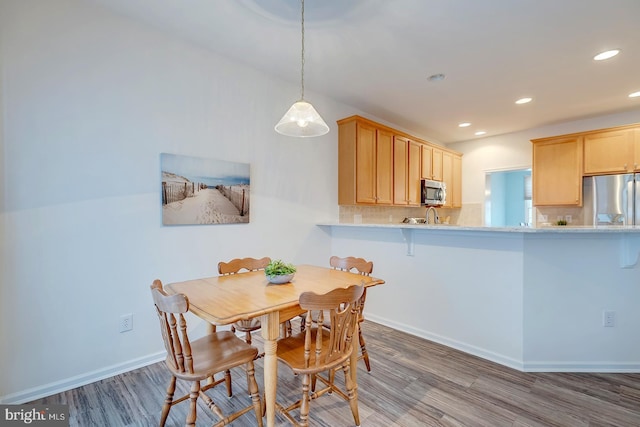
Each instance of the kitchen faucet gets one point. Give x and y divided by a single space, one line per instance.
436 218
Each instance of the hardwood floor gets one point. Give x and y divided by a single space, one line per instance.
413 382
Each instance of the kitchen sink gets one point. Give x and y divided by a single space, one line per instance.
414 221
422 221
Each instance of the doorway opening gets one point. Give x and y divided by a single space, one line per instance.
508 198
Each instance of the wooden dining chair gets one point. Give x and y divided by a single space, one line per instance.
365 268
235 266
318 349
198 360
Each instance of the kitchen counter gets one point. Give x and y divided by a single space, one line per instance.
459 228
529 298
629 235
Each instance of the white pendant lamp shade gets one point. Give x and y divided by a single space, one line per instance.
302 120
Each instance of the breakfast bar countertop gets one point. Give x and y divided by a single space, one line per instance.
458 228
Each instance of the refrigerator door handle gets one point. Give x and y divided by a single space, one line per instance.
636 200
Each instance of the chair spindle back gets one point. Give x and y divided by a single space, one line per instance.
343 308
170 309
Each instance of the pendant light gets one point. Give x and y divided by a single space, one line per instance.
302 120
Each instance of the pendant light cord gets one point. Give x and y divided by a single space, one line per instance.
302 58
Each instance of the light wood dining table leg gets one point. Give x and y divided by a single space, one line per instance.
270 332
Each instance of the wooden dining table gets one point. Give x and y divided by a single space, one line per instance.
222 300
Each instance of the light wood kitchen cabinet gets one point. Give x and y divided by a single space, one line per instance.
452 177
413 179
406 171
611 151
636 146
382 166
426 169
456 190
432 163
365 164
436 165
557 171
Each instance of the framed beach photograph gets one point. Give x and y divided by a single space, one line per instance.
203 191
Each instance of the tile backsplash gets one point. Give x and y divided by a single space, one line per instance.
471 215
550 215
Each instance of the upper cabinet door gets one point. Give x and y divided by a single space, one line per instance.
436 165
365 164
427 158
384 167
610 151
400 163
557 171
447 177
455 192
413 173
636 149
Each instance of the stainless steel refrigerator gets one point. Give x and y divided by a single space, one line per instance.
612 199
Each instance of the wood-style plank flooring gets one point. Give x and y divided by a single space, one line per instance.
413 382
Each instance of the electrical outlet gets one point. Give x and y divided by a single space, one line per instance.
543 218
126 322
608 319
568 218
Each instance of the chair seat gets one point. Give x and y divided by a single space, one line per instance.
215 352
291 352
248 325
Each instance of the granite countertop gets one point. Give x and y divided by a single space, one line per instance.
455 228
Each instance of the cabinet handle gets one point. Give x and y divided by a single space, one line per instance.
625 165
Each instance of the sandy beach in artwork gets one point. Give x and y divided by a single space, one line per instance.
208 206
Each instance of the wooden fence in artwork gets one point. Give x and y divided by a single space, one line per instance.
176 191
238 195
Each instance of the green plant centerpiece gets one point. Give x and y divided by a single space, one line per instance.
279 272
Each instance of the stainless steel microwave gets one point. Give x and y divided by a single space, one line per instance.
433 193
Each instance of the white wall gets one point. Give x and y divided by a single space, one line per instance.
89 100
569 281
462 289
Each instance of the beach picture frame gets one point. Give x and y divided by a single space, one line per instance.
200 191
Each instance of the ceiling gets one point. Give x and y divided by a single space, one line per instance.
377 55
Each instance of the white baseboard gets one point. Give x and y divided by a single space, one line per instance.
80 380
601 367
520 365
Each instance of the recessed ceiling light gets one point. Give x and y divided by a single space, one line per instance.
606 54
480 132
634 94
464 124
524 100
436 77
